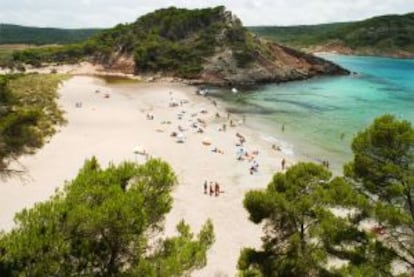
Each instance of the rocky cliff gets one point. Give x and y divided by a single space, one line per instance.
272 63
208 46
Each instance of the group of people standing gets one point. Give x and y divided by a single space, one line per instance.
325 163
254 167
212 189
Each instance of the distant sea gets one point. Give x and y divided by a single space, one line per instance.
316 119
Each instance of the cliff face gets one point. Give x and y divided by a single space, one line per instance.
277 64
208 45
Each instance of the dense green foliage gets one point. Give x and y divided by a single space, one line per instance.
15 34
28 114
383 168
302 232
171 40
296 36
71 53
101 224
378 35
176 40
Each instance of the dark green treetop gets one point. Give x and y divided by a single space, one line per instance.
100 225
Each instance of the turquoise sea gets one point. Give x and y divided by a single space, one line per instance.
317 119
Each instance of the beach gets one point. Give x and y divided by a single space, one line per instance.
115 119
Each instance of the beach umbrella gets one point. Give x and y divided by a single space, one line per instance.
206 141
241 151
139 150
180 137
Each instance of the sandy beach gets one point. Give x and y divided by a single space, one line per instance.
113 120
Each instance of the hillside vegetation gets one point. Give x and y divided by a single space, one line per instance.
170 39
390 35
103 223
209 44
15 34
28 114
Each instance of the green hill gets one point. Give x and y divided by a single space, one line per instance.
15 34
209 44
389 35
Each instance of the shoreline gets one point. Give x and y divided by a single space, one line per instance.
292 145
394 56
110 128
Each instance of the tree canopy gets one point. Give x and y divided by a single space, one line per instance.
303 233
15 34
105 223
303 229
383 168
382 35
28 114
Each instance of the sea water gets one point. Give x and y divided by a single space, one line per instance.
317 119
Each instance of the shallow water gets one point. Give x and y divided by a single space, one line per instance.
319 117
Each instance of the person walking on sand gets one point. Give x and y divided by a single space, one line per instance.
205 187
217 189
211 189
283 164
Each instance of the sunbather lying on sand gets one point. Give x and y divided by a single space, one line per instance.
216 150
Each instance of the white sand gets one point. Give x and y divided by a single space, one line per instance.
111 128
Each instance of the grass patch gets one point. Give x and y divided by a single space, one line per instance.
29 114
118 80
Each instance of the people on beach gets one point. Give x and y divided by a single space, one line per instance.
213 188
254 167
217 150
276 147
205 187
325 163
283 163
241 138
